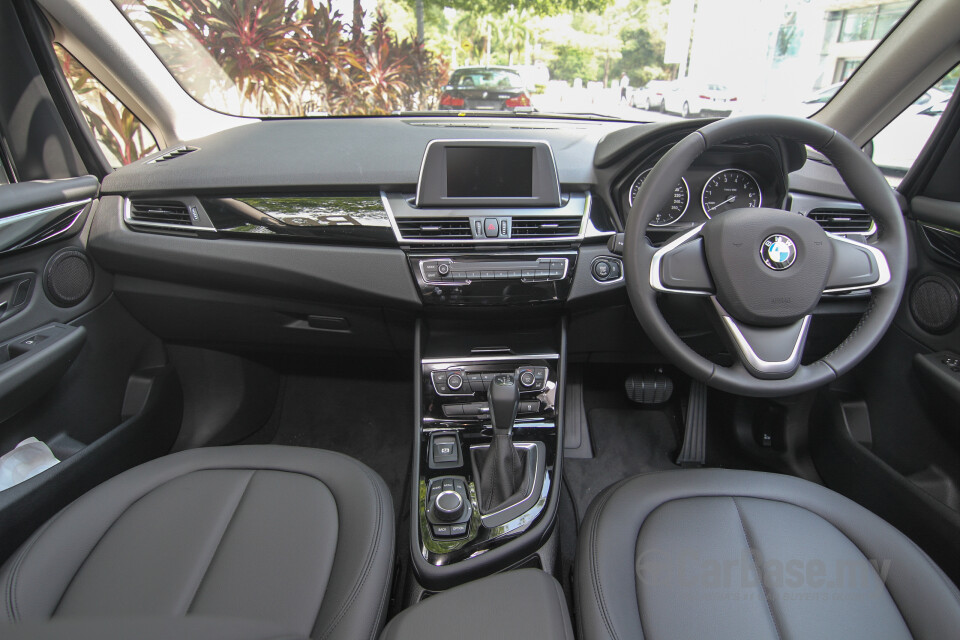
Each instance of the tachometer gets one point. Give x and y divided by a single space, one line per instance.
674 209
730 189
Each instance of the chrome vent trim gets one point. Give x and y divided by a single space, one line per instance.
843 220
165 212
576 209
434 228
545 227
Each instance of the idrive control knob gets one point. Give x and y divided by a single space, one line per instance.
448 506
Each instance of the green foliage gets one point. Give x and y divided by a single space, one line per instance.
293 57
641 57
536 7
574 62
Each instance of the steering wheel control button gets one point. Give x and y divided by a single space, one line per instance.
607 269
778 252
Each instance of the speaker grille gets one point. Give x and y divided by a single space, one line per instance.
68 277
934 303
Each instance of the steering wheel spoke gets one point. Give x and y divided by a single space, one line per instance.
856 266
680 266
768 353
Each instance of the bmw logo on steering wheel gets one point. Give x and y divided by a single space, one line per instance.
778 252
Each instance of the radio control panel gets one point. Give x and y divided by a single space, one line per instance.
513 278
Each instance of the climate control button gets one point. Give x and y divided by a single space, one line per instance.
455 381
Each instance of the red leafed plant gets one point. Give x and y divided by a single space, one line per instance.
293 57
120 134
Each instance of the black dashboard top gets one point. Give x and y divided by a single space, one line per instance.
345 153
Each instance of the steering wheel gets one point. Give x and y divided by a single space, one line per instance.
764 270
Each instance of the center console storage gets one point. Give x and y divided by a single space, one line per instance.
526 603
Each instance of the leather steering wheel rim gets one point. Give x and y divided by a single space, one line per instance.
864 180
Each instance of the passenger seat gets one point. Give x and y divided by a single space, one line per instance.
244 541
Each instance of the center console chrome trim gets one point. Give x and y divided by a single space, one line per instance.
562 211
493 358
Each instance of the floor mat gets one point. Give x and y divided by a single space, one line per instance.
626 442
369 420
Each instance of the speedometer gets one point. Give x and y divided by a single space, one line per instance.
674 209
730 189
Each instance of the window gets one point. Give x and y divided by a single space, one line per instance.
896 148
121 136
857 24
869 23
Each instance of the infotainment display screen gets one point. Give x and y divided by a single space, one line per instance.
489 172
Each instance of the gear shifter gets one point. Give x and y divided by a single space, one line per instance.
502 470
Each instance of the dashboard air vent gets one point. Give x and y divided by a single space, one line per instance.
842 220
176 153
545 227
434 228
160 212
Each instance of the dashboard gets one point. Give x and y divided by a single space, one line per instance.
336 233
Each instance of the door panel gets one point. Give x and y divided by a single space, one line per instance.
889 436
76 371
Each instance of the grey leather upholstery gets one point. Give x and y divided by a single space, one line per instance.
526 603
737 554
298 539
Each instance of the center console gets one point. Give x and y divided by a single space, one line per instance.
487 464
494 246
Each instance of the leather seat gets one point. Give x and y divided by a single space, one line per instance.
295 541
737 554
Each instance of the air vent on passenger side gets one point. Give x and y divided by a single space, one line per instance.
434 228
842 220
545 227
176 153
160 212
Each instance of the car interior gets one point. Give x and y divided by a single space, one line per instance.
489 375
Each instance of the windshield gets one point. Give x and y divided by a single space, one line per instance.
633 59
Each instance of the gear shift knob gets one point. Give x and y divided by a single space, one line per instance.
504 399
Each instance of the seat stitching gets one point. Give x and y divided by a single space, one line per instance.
561 599
594 569
763 587
13 610
104 534
223 533
364 573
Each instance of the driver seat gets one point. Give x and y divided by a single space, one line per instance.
717 553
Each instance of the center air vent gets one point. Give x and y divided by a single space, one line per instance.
160 212
434 228
545 227
842 220
176 153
